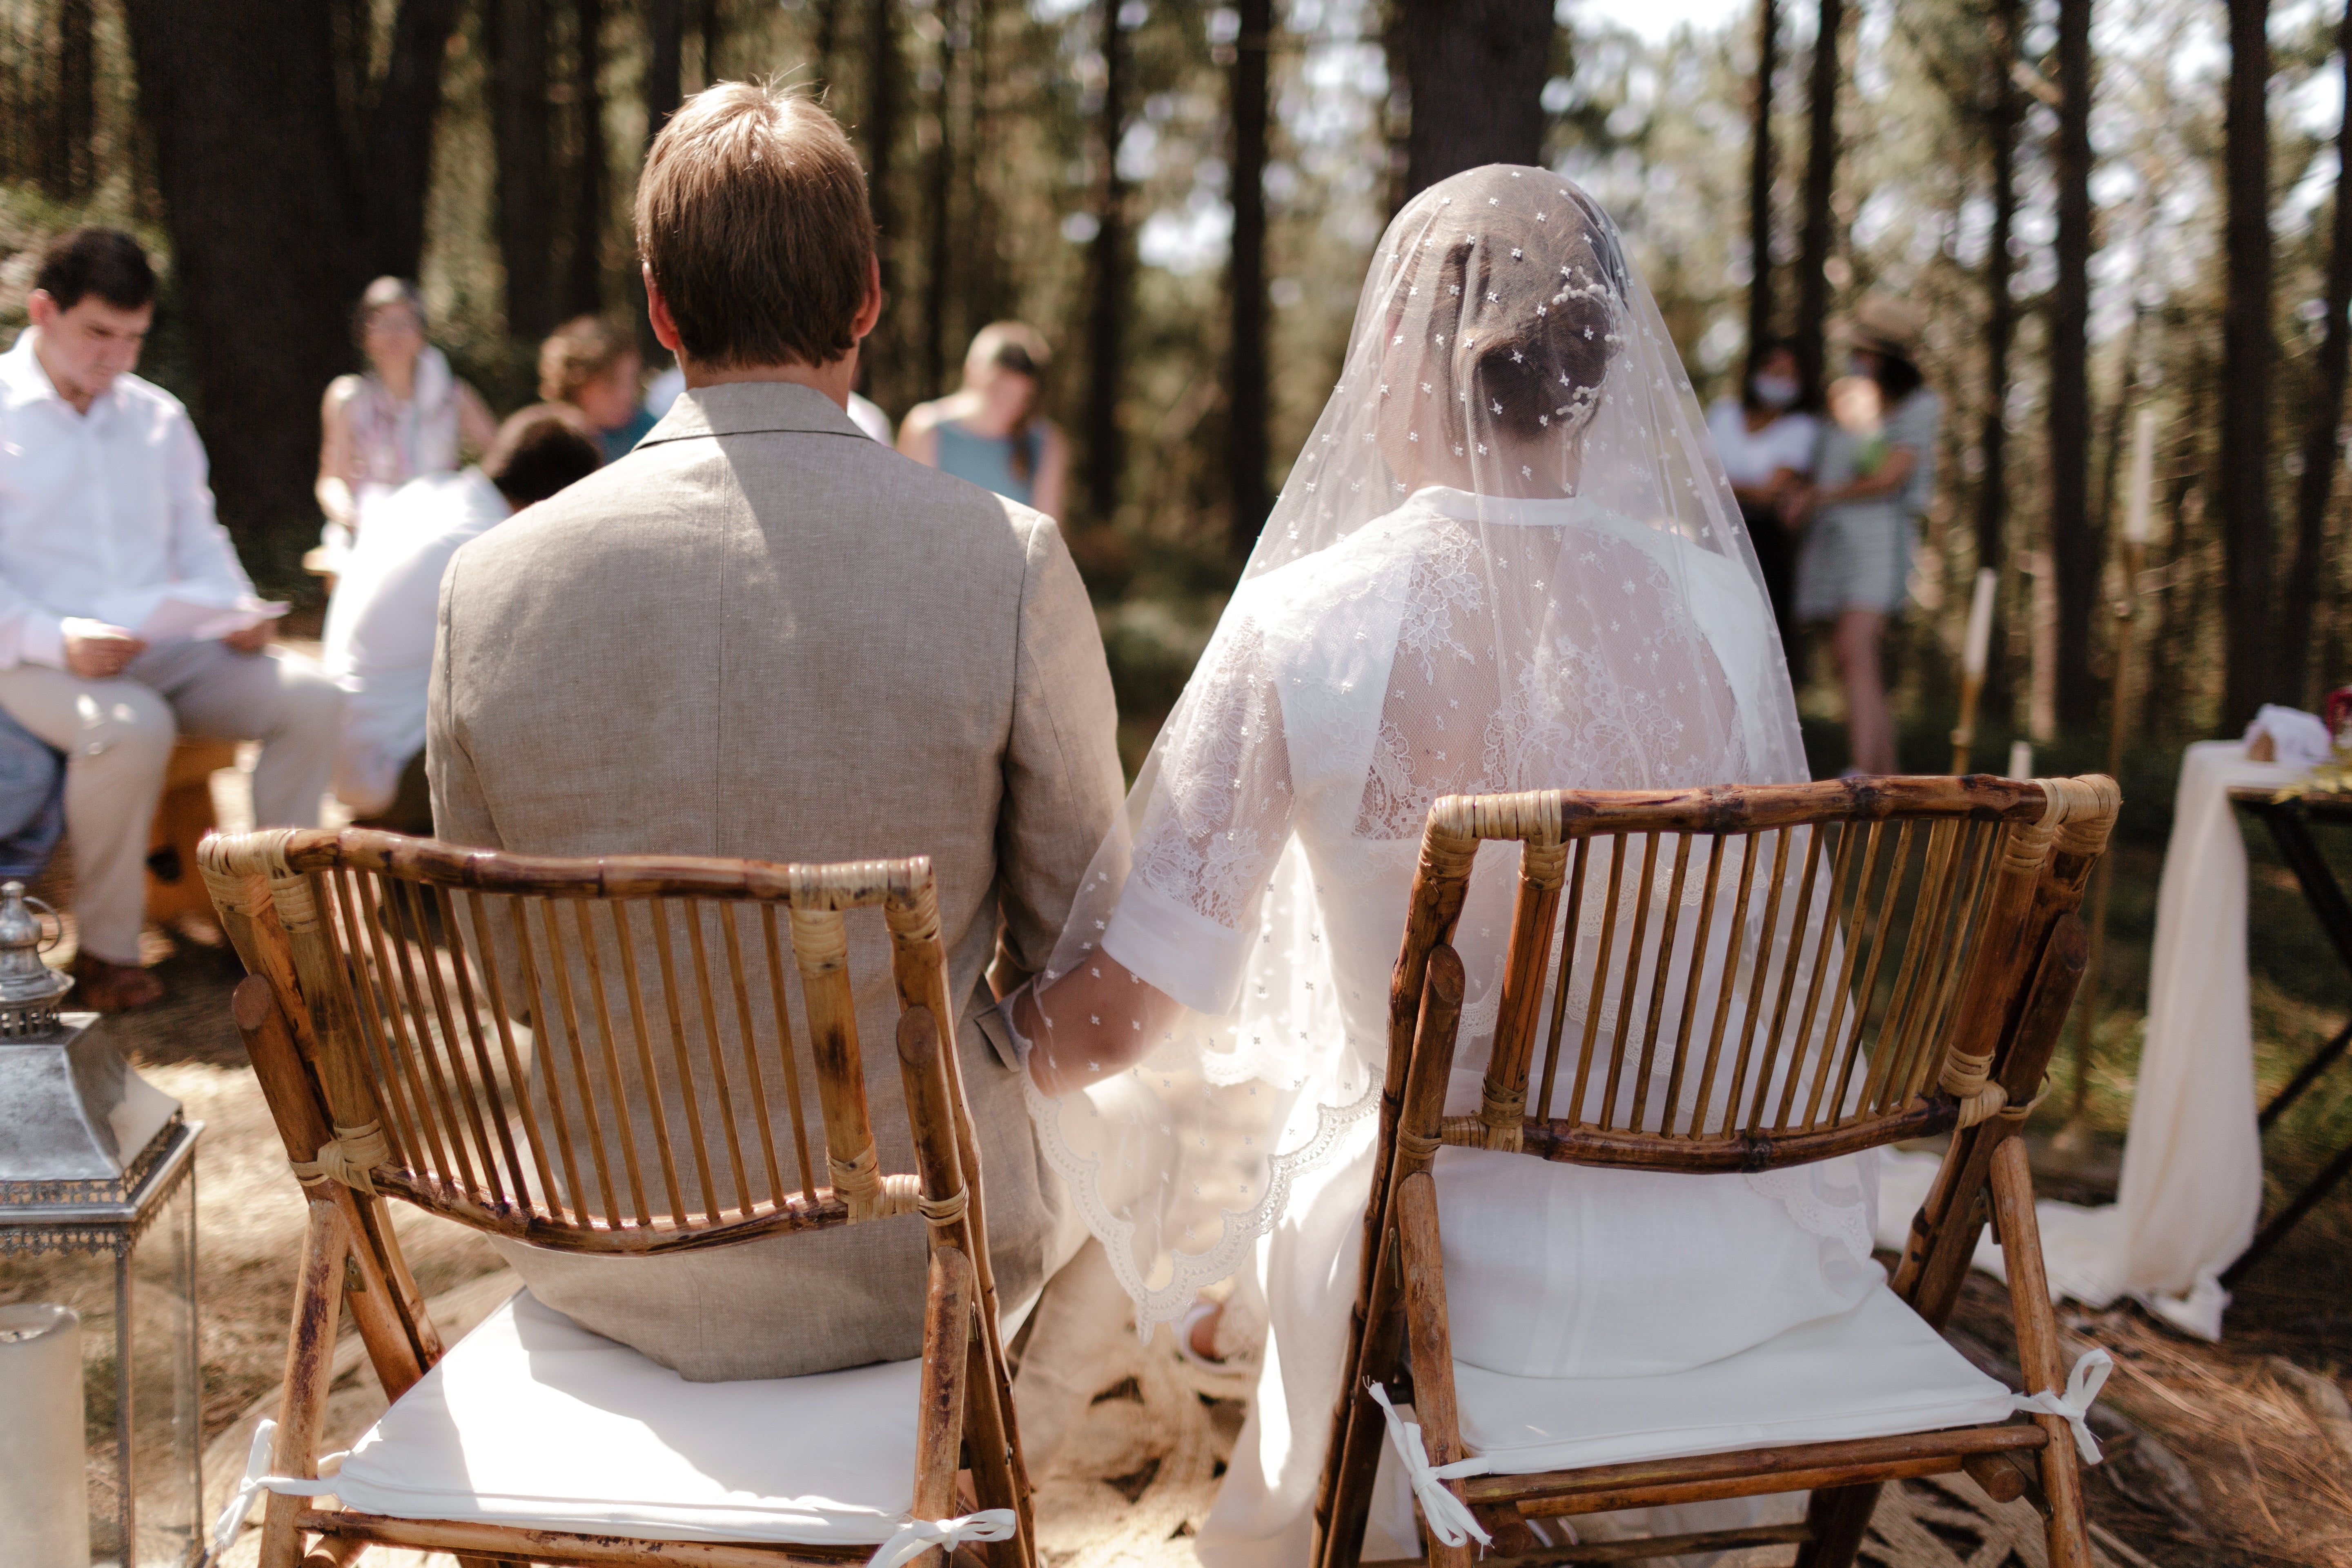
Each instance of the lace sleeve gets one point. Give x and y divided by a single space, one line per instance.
1214 827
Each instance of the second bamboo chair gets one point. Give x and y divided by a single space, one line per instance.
1856 962
468 1032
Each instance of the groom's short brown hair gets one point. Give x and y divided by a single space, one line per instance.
752 213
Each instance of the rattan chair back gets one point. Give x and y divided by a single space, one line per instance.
1741 978
592 1055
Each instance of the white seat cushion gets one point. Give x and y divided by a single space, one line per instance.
532 1420
1876 1370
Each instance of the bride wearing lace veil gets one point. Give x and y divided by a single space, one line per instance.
1506 559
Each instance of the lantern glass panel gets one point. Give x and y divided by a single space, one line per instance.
150 1290
166 1413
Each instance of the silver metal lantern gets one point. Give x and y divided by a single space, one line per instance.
98 1214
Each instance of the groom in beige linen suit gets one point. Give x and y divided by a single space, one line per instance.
763 634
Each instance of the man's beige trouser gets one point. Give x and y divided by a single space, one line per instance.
117 736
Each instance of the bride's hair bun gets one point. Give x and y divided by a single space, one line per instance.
1524 302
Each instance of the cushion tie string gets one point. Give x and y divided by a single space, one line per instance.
2073 1406
1448 1517
917 1536
258 1481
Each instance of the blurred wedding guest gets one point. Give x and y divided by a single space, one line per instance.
863 412
380 624
1766 441
990 432
106 539
594 367
32 801
1873 479
404 417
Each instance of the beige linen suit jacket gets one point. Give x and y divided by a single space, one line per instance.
764 634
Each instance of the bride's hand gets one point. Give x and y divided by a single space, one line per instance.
1088 1024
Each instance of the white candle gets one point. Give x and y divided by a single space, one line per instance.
2020 759
2143 477
1980 639
44 1512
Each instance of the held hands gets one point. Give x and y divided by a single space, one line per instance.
252 639
97 651
1797 502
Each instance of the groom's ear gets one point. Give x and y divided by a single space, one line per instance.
657 311
869 313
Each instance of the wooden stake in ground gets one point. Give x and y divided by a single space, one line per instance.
1974 650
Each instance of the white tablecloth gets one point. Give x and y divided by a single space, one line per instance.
2192 1188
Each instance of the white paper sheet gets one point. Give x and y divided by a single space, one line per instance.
179 619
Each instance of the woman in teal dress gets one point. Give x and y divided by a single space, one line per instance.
990 432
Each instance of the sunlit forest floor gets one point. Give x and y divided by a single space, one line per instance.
2217 1454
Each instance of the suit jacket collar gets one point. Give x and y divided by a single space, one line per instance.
752 408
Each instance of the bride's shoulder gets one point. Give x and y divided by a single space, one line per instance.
1358 559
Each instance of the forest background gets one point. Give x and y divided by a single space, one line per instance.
2101 209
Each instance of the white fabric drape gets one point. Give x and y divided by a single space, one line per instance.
2191 1187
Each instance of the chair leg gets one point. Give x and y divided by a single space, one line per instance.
1837 1518
335 1552
2037 1350
1356 1443
310 1358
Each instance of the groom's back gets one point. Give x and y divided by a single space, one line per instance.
762 634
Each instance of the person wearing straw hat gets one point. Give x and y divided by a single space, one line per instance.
1874 475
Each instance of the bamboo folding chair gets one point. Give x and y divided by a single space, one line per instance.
1916 952
446 1026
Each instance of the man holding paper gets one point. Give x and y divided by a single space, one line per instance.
124 614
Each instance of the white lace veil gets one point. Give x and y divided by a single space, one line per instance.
1506 559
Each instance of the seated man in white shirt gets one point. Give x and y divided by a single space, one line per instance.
380 622
105 516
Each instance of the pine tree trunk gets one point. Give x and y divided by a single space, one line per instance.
250 157
1247 445
1759 183
2317 482
662 90
1107 261
2006 121
519 126
982 268
2243 477
828 36
1478 69
939 215
2075 541
714 40
76 116
584 279
396 162
1821 187
665 62
883 362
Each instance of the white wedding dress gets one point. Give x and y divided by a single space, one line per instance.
1596 622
